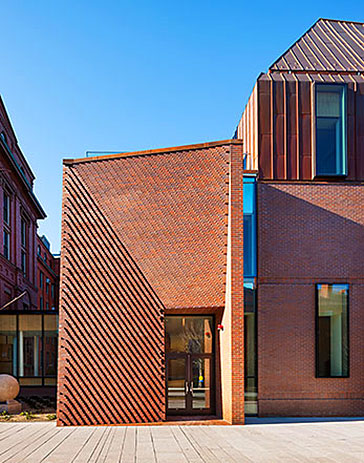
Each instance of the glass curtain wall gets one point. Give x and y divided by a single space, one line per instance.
250 272
28 348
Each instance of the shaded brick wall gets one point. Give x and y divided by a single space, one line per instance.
111 333
307 233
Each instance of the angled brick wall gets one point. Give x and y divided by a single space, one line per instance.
144 234
111 349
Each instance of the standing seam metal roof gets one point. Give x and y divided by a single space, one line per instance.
328 46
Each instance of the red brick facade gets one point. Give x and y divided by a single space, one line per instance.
144 234
47 276
17 272
308 234
160 232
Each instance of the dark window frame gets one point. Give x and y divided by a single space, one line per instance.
333 85
317 375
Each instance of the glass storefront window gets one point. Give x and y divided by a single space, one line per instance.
28 348
8 345
50 345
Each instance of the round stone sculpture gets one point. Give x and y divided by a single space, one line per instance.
9 388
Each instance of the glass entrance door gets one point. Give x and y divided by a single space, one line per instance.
189 365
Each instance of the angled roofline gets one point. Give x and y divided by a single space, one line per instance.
291 46
197 146
11 128
341 21
24 180
270 70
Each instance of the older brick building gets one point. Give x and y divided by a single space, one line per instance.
28 327
225 278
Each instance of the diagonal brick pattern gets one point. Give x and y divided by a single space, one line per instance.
141 233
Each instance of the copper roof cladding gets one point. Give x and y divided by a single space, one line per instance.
331 46
168 208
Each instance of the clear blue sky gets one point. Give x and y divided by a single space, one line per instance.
130 75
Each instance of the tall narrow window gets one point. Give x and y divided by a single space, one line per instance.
249 206
330 130
6 208
24 246
30 350
332 342
23 233
24 263
6 244
6 219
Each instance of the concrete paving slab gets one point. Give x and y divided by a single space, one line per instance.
263 441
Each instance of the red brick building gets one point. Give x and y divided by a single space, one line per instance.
226 278
48 276
28 338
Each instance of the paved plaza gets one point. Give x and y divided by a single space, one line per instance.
260 441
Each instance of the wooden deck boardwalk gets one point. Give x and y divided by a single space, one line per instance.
290 442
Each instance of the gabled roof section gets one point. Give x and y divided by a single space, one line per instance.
330 45
10 132
169 209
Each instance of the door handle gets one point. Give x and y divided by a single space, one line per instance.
186 388
191 387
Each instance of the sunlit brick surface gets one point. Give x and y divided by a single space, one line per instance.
308 233
141 234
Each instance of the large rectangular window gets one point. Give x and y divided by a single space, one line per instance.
28 347
330 130
332 337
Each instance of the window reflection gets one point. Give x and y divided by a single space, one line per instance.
191 334
249 207
330 129
332 336
50 345
8 345
250 348
28 347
